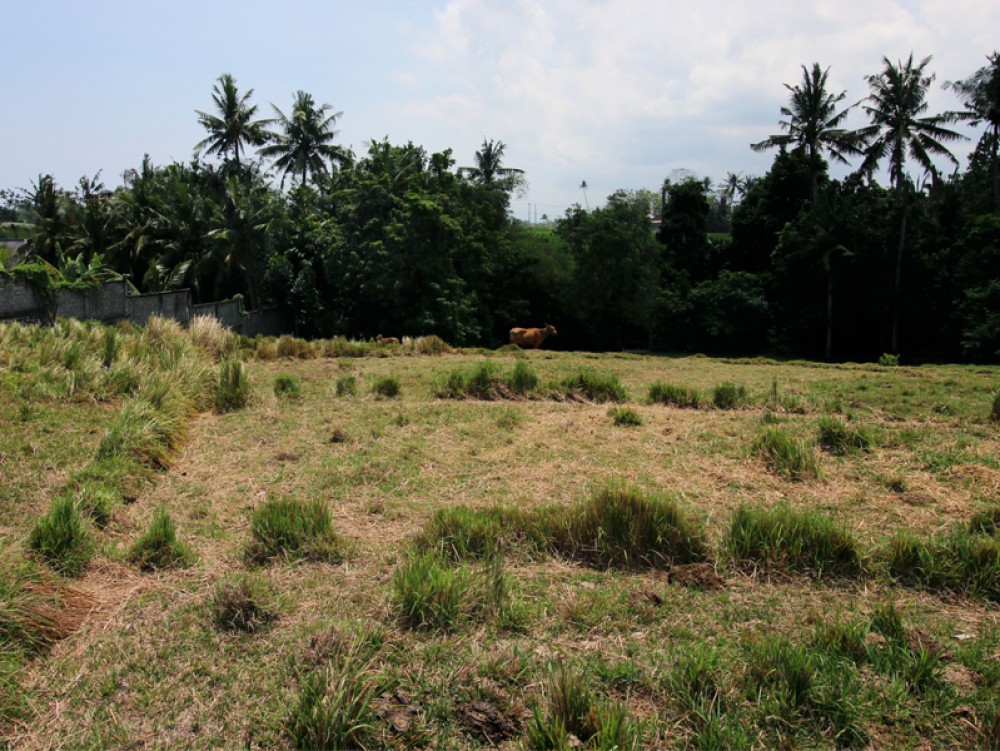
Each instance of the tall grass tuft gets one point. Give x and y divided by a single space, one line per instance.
386 386
622 526
143 433
159 548
959 561
110 349
243 603
429 593
208 333
233 389
522 380
61 537
678 396
786 455
347 385
287 386
594 387
782 539
841 439
294 530
335 704
995 412
729 395
460 533
625 417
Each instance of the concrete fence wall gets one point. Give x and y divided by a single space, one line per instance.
111 302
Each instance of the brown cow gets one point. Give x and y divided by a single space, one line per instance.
386 339
531 337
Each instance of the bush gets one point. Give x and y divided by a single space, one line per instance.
593 387
786 455
287 386
386 386
233 390
159 547
292 529
679 396
841 439
786 540
729 396
242 603
625 417
888 361
61 537
621 526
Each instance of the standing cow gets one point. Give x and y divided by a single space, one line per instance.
531 337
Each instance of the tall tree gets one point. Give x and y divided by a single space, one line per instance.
980 93
234 126
489 169
814 123
304 147
896 105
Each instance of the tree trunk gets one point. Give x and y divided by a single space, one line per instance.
898 282
829 314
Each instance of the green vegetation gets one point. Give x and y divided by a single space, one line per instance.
786 455
728 395
625 417
61 537
841 439
233 391
243 603
159 548
291 529
386 386
678 396
287 386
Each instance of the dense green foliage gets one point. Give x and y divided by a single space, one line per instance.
404 241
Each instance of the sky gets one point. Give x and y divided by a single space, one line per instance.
616 93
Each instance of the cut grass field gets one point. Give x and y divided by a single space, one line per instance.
499 568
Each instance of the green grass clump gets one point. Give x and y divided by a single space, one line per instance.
622 526
841 439
461 533
522 380
958 561
786 455
486 381
347 385
335 708
625 417
95 500
594 387
783 539
294 530
428 593
61 537
386 386
144 433
728 395
678 396
243 603
233 389
570 708
995 412
985 521
287 386
159 547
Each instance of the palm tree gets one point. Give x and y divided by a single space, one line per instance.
814 124
304 147
897 101
981 95
583 187
489 169
233 126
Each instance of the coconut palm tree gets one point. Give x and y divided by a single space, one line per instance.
896 105
489 169
813 123
980 94
304 146
233 127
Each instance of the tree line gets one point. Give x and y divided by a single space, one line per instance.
398 240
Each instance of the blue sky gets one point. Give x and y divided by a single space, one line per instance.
618 93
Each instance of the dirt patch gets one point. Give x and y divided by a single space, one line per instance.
645 597
398 711
962 678
918 641
286 456
695 575
482 720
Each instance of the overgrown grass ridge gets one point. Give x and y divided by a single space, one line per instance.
514 564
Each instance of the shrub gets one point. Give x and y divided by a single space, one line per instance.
233 390
347 385
242 603
787 540
386 386
428 593
61 537
841 439
593 387
426 345
888 361
728 395
334 709
287 386
679 396
159 547
625 417
292 529
786 455
621 526
289 346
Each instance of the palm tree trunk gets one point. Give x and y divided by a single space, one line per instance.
898 282
829 314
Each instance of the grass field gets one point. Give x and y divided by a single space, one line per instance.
369 553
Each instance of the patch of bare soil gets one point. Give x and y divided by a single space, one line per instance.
483 720
398 711
912 498
695 575
962 678
645 597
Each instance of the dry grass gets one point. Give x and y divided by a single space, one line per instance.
150 667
